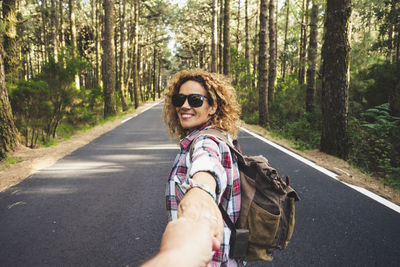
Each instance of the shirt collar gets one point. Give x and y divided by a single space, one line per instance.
185 142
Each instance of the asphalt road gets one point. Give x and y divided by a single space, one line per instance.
103 205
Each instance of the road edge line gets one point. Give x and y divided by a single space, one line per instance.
327 172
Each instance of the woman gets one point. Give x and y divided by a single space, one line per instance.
208 175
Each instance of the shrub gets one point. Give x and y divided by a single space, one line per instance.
376 140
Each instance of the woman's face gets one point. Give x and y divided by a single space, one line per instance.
192 117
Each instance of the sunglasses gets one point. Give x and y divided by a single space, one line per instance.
194 100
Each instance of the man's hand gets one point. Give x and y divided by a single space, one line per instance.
185 243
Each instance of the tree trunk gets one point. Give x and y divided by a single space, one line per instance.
136 58
226 56
11 59
159 78
54 29
255 51
61 21
221 40
238 27
121 85
312 54
110 108
154 74
8 131
72 26
214 37
335 78
303 41
97 41
262 66
285 42
246 33
272 53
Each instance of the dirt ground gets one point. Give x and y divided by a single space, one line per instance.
32 160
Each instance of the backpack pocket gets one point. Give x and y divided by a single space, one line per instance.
263 227
291 219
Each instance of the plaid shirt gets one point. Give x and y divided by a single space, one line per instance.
213 156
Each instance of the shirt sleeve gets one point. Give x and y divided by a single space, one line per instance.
207 157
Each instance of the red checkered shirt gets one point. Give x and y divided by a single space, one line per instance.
213 156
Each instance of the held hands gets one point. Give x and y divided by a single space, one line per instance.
191 240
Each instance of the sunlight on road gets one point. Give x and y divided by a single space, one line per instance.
156 147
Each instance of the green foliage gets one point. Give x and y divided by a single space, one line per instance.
42 103
288 118
376 143
289 101
371 87
243 82
31 107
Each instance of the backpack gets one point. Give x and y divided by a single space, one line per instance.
267 212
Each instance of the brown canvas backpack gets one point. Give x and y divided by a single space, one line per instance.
267 214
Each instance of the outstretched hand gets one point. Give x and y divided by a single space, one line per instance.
186 243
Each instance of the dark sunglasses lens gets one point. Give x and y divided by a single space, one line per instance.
195 100
178 100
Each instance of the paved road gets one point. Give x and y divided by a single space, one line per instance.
103 205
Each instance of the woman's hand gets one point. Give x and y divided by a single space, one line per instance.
198 205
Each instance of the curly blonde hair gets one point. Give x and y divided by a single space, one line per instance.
227 116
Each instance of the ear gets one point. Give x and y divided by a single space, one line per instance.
212 110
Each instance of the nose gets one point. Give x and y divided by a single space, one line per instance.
186 104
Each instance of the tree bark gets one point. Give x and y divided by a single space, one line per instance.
8 131
109 60
285 42
272 53
154 74
246 33
262 66
226 56
220 34
255 51
136 58
214 37
72 26
11 59
54 29
238 27
312 54
303 42
335 78
121 79
97 74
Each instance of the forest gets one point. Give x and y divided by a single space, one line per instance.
324 74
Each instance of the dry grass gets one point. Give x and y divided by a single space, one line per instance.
31 160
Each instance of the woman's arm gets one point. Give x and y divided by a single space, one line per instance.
198 204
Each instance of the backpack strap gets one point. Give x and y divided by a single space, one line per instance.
221 135
227 219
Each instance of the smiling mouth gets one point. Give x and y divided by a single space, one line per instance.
186 116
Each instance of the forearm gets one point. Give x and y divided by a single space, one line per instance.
198 205
206 179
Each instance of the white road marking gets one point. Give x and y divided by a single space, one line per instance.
329 173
